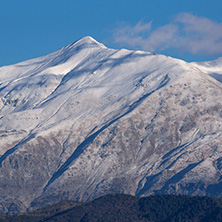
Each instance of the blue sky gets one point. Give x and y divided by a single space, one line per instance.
190 30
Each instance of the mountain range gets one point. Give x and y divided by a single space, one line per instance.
87 120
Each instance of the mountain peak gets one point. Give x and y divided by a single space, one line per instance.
88 41
92 121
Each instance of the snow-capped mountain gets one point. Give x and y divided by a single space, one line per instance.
87 120
213 68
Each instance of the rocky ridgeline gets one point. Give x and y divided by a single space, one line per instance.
87 121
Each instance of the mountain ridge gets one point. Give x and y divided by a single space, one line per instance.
87 120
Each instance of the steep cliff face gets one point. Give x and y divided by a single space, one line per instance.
87 120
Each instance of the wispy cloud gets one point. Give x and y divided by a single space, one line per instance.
186 33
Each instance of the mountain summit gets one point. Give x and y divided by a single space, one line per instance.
88 41
87 120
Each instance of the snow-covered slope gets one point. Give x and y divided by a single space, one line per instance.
87 120
213 68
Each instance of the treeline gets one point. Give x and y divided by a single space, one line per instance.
120 207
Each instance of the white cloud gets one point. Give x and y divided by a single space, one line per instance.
132 35
162 37
187 32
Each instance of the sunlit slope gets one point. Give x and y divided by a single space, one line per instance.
87 120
